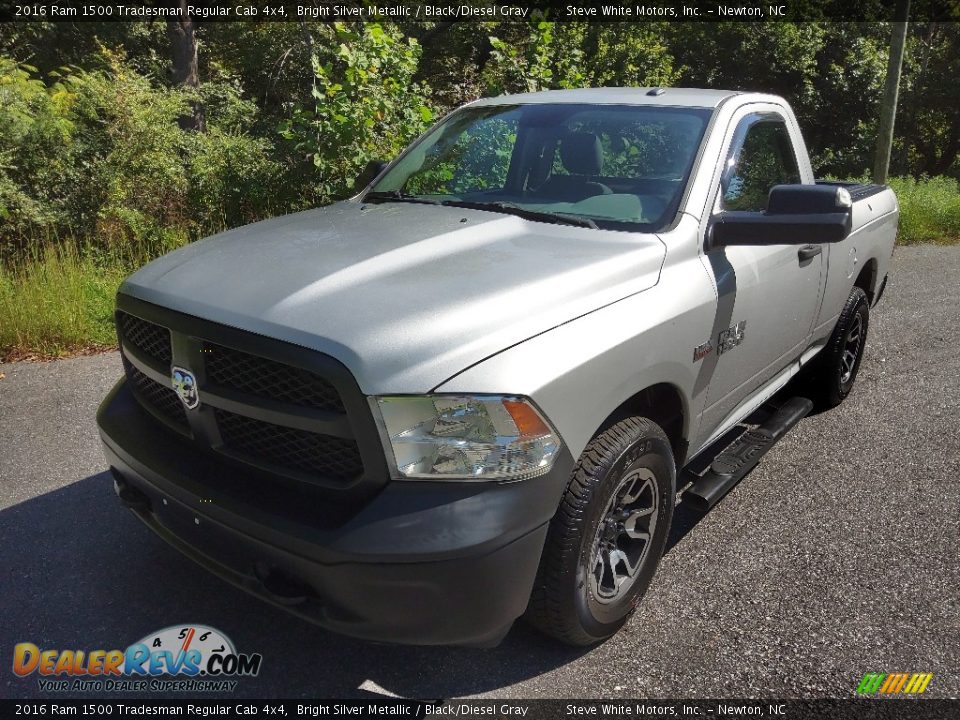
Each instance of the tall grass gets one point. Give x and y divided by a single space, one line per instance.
929 210
58 299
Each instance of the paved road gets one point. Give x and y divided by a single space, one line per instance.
837 556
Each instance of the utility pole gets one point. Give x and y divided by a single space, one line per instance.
888 108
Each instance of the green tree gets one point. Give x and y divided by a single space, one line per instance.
366 105
928 119
628 55
540 56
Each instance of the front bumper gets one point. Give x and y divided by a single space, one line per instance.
427 563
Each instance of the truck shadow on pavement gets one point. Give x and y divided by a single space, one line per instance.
81 572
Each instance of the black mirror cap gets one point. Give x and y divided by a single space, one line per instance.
807 199
370 172
748 228
795 215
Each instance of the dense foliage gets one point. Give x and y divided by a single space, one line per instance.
98 172
98 153
364 104
90 147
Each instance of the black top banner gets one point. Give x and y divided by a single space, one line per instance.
476 10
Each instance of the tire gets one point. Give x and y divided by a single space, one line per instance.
622 488
834 371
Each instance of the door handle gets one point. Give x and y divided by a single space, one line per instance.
808 252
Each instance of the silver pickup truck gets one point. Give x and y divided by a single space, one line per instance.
477 389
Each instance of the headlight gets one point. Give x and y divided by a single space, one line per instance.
484 437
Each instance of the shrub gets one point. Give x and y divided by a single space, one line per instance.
541 57
99 155
929 209
366 106
35 157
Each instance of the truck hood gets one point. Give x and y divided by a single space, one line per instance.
405 295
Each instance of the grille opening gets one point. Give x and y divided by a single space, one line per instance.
162 399
308 452
269 379
150 339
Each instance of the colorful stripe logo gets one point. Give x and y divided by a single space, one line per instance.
894 683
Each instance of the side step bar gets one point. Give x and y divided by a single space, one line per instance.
740 457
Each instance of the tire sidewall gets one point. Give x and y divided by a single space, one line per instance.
653 453
838 389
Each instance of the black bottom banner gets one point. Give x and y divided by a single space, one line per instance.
854 709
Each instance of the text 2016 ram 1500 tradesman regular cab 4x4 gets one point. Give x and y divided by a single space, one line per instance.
475 390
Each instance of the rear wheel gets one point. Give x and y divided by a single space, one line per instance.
605 541
834 371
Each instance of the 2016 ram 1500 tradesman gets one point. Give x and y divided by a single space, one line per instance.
475 390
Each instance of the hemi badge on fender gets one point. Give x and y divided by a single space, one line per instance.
701 351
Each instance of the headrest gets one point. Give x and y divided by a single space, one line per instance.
581 153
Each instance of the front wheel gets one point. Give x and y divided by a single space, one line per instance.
606 539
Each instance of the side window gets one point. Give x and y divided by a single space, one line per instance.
765 158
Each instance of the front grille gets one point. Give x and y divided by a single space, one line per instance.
241 394
150 339
308 452
164 400
267 378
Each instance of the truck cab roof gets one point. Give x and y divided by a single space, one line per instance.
675 97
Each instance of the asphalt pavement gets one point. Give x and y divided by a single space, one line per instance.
837 556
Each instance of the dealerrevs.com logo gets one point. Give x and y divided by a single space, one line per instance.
188 658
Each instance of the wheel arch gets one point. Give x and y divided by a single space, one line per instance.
664 404
867 279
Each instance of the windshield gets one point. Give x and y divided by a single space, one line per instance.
611 166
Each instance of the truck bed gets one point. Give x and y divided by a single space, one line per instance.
858 191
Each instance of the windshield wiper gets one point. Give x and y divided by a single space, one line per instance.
396 196
526 213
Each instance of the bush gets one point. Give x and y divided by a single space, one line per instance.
366 106
929 210
99 155
537 56
231 181
35 143
97 178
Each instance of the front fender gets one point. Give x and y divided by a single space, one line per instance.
582 371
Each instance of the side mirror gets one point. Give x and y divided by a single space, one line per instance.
795 215
369 173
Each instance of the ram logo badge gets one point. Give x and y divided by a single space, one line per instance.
731 337
185 384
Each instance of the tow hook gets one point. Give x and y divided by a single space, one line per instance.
129 495
280 586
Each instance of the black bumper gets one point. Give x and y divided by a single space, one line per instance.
427 563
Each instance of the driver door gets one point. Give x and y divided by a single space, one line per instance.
767 296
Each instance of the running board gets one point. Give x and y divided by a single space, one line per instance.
733 463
